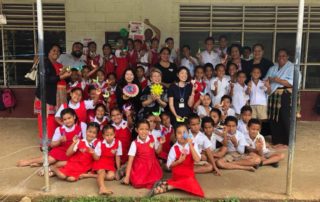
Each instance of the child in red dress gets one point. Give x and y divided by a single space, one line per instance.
199 82
61 140
168 132
109 60
81 155
141 77
109 152
112 100
181 160
143 168
122 131
75 103
100 118
121 58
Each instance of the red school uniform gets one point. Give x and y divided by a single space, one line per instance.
107 155
155 57
123 133
95 59
81 111
144 83
183 176
110 64
81 161
146 169
59 152
103 123
122 62
167 132
112 101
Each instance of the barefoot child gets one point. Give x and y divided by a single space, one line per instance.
217 137
61 140
81 155
204 146
236 158
257 144
182 156
143 168
109 152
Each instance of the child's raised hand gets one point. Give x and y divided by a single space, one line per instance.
94 65
259 144
162 140
250 85
233 140
75 139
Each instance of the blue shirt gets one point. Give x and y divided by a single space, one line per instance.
284 73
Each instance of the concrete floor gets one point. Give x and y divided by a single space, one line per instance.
267 183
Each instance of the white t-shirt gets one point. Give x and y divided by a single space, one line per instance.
98 147
258 94
173 56
223 86
242 143
201 140
89 104
56 136
230 112
242 127
239 97
133 147
186 63
252 143
184 149
201 111
211 57
214 138
69 60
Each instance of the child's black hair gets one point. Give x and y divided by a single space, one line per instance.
254 121
246 48
208 65
143 121
205 120
165 49
255 67
180 125
186 46
231 119
198 67
115 109
107 127
245 109
113 74
100 70
74 70
137 41
241 72
85 67
94 125
69 111
91 43
223 37
219 65
106 45
193 116
168 39
216 110
91 88
165 113
188 72
238 46
100 105
226 97
140 67
75 89
209 39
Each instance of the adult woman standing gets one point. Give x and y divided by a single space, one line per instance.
55 89
235 51
168 69
280 77
181 95
259 61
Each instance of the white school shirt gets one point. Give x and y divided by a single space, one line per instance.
208 86
201 140
239 98
118 55
172 153
223 86
173 56
186 63
242 127
56 136
258 94
133 147
213 139
211 57
156 133
118 150
88 144
252 143
230 112
89 104
242 143
201 111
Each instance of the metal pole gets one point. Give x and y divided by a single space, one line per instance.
43 96
292 134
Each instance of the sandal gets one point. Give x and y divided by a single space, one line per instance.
160 189
155 185
41 172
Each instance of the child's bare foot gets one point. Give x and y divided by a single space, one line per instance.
23 163
251 169
105 191
35 165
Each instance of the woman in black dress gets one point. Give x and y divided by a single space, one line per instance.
168 69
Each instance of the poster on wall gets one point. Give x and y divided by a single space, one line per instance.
85 42
136 30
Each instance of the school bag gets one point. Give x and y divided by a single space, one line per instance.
8 98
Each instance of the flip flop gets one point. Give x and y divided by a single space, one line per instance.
155 185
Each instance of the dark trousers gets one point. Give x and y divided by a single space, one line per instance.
280 129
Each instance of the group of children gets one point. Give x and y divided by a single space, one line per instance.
95 138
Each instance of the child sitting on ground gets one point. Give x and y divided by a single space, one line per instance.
257 144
